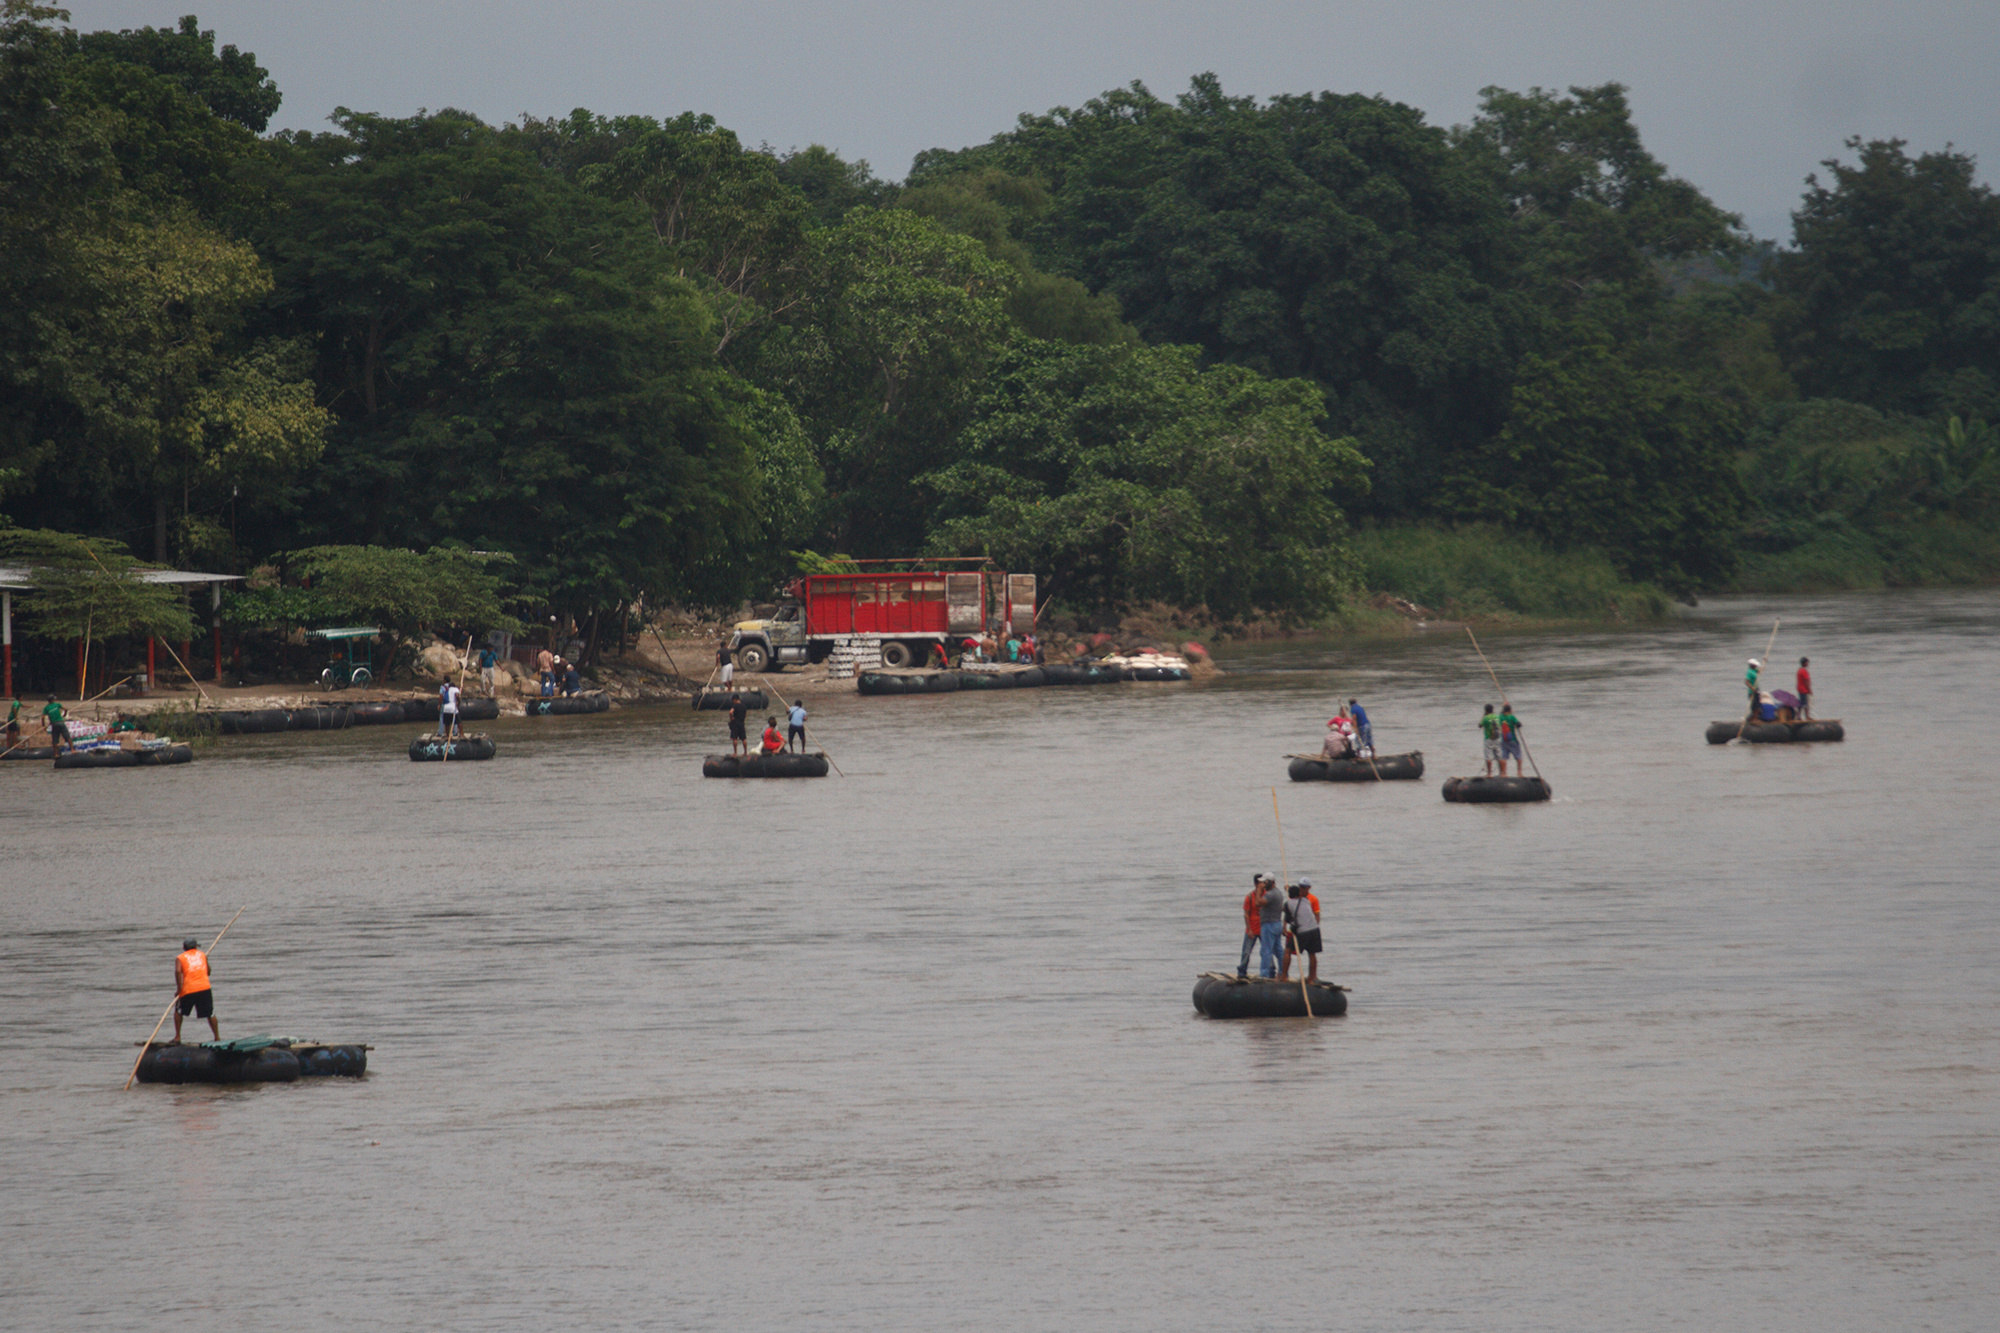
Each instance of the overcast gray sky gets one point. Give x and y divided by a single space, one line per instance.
1741 98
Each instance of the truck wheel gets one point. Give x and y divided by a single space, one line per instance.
895 654
752 657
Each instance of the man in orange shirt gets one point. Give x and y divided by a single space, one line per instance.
192 988
1253 918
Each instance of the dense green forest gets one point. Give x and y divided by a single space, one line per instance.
1254 357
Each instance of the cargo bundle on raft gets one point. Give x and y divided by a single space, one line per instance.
1380 768
260 1059
1495 790
1221 995
783 764
1781 732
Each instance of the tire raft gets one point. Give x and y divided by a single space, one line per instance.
754 700
105 758
473 745
780 765
1383 768
251 1060
1494 791
1219 995
590 701
374 715
321 717
906 682
253 721
469 710
1770 733
166 754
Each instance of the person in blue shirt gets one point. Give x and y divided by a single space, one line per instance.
795 725
1364 735
488 659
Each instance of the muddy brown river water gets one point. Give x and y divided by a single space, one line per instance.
1709 1041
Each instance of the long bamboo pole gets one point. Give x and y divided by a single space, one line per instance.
1503 698
1285 880
808 732
176 1000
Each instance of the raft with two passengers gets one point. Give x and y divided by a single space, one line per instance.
1348 754
1775 716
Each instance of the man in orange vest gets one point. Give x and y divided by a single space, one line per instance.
191 985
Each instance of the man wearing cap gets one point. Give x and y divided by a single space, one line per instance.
1364 734
1270 927
1253 922
1302 919
192 989
1750 682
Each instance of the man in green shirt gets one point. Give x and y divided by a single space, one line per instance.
13 723
1489 728
52 718
1510 738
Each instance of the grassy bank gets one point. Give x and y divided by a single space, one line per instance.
1482 572
1836 556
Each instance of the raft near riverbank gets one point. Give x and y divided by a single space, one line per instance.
1382 768
260 1059
1776 733
1495 791
754 700
472 745
780 765
590 701
159 756
1003 676
427 708
1222 995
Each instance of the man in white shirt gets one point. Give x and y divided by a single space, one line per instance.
448 710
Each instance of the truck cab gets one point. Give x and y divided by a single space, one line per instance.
772 644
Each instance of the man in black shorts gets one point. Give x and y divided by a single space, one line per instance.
191 988
739 742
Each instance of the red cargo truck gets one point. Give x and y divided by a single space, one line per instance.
901 612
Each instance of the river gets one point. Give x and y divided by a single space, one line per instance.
1709 1041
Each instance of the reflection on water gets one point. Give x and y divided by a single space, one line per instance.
1707 1040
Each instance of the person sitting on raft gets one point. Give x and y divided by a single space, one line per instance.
773 742
1339 745
572 682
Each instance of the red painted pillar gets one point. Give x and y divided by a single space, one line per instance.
218 654
152 646
187 659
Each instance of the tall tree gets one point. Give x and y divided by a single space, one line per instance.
1891 296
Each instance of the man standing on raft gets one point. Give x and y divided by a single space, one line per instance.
1805 690
192 989
1253 923
1270 927
1510 738
1489 740
739 736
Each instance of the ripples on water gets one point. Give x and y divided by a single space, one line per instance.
1709 1041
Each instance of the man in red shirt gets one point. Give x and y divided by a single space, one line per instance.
1253 922
1805 689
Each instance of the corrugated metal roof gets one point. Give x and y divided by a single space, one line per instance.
20 578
